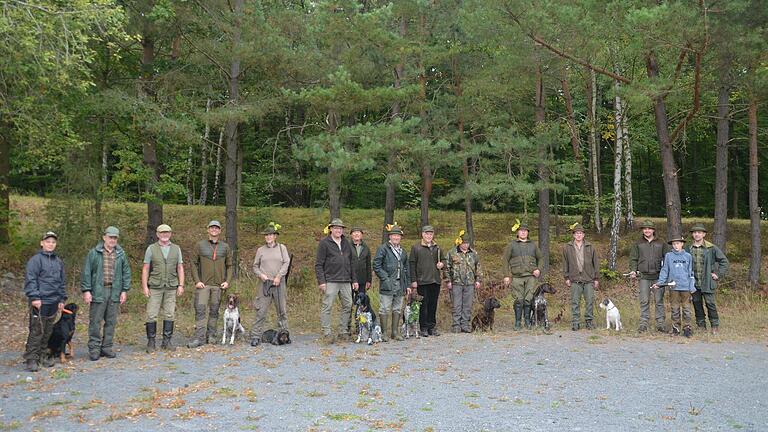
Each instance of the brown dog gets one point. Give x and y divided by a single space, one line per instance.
484 317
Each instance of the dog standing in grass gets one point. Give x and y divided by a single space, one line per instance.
105 281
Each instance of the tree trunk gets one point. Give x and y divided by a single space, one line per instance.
334 180
669 168
217 173
575 142
5 181
593 148
629 215
540 118
189 183
719 230
390 182
230 163
754 205
149 149
618 156
205 157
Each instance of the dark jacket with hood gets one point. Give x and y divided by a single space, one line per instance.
45 279
333 264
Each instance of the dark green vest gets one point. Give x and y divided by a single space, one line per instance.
162 271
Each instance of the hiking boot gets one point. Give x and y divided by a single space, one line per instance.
590 326
32 365
643 328
94 356
255 342
424 332
715 331
575 327
660 329
455 329
433 332
702 326
195 343
687 331
466 330
108 353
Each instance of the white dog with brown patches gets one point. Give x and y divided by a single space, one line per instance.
612 315
231 320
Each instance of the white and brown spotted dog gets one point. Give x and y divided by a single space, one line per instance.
231 320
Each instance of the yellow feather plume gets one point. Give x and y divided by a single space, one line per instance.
327 230
275 226
573 225
516 225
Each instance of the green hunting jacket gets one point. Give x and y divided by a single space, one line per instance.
645 257
521 258
92 278
463 268
714 262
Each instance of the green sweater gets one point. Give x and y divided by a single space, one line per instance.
210 270
521 258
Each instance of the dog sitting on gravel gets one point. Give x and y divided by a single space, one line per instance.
231 320
369 328
484 317
612 315
539 310
63 331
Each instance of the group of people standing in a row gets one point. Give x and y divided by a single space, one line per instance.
345 265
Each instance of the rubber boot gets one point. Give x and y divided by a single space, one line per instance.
151 334
527 315
385 328
167 343
396 326
518 314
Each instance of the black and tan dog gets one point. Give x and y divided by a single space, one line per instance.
63 331
276 337
484 317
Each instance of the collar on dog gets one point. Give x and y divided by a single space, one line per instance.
611 308
67 311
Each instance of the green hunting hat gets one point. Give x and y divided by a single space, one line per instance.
523 226
270 230
49 234
395 229
356 228
164 228
577 227
112 232
214 223
647 224
427 228
698 227
680 239
337 222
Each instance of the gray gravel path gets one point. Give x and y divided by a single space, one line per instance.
529 382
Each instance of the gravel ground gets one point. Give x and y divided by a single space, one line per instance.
525 381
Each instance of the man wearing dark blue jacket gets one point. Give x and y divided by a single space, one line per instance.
45 288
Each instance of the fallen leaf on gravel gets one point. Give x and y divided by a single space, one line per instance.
40 414
191 413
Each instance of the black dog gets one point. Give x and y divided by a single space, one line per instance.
276 337
539 309
484 318
63 330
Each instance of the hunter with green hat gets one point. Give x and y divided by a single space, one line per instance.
271 266
335 278
709 266
521 259
645 258
391 267
464 276
104 282
426 264
581 269
212 269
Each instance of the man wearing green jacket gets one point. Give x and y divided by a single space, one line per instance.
709 266
581 267
105 282
521 259
211 272
645 258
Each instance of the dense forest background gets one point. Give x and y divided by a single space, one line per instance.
598 108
